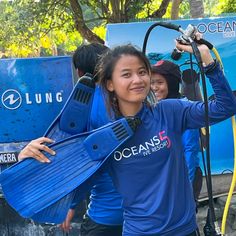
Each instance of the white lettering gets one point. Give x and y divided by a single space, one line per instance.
134 150
153 145
38 98
7 158
48 97
13 99
149 144
142 148
27 99
148 152
117 156
127 150
156 139
59 97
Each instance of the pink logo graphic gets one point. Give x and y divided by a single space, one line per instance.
164 137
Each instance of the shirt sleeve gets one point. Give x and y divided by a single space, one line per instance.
191 146
223 107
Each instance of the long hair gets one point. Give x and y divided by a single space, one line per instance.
105 70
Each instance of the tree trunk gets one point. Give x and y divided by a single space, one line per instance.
80 25
196 8
116 11
162 9
175 9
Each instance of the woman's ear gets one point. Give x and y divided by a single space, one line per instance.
110 86
80 73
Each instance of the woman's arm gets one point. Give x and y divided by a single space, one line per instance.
191 146
223 107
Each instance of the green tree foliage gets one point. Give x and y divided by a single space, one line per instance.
219 7
44 27
227 6
28 29
52 27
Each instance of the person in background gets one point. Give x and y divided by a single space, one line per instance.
165 83
104 215
149 170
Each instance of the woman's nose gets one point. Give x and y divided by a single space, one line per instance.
154 85
137 78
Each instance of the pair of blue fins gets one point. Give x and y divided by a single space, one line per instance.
44 192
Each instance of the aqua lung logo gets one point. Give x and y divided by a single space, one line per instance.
12 99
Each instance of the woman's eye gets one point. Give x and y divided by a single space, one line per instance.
126 75
143 72
156 82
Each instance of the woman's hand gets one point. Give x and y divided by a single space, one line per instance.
204 50
66 225
34 148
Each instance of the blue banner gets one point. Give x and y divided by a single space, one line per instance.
32 92
221 32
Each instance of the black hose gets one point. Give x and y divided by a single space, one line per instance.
209 228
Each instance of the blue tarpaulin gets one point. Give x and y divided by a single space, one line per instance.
32 93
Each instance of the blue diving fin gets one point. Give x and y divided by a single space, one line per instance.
31 186
73 118
56 213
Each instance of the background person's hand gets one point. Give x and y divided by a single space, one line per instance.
66 225
34 148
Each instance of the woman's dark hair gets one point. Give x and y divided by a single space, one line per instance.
86 56
106 67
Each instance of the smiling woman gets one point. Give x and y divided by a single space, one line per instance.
132 84
132 72
161 202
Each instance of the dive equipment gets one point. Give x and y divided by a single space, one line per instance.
188 37
233 182
74 115
31 186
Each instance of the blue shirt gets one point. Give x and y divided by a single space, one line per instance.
191 146
105 203
149 170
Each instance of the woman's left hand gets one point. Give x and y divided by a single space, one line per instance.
204 51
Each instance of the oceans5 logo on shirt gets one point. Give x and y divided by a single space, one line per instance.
150 146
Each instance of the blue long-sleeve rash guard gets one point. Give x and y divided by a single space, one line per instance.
191 147
105 205
149 170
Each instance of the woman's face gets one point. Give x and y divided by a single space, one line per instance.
159 86
130 82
